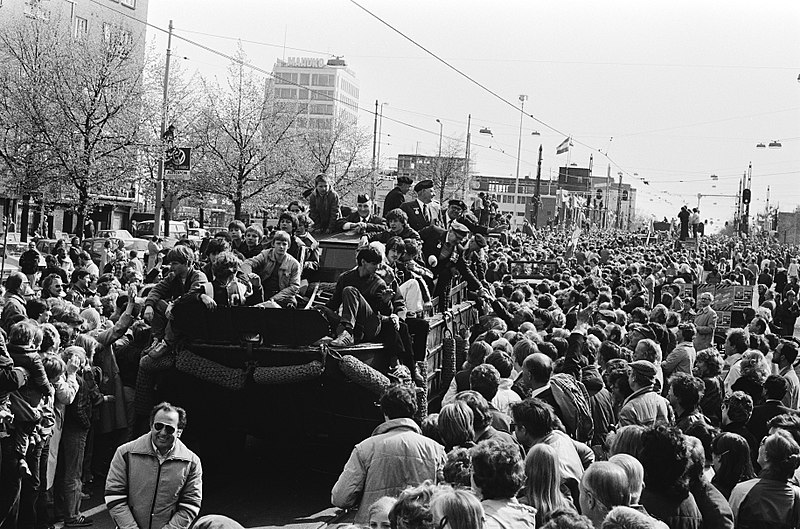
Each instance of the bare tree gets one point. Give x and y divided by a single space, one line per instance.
242 139
340 152
447 171
81 117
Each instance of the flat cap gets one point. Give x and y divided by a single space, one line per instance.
423 184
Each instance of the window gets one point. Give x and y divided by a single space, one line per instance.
129 3
304 79
81 27
303 93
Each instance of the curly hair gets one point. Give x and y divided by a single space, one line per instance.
457 469
687 389
412 509
713 361
754 366
665 457
497 469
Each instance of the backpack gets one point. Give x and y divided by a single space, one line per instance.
573 399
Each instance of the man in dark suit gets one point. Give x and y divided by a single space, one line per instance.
443 253
397 196
775 388
422 212
362 220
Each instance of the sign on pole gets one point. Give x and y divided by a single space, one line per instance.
178 163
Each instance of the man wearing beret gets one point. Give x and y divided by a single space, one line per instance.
362 220
457 210
444 253
422 212
397 196
644 406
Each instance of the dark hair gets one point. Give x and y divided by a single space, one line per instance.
35 308
687 331
399 402
455 424
458 468
397 214
665 458
687 389
485 379
789 350
497 469
775 387
523 349
395 243
782 453
291 217
566 518
502 362
369 255
54 366
705 432
167 407
216 246
740 406
180 254
537 416
21 333
481 413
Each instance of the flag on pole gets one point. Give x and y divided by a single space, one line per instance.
564 146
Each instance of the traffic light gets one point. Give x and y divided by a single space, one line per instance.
746 196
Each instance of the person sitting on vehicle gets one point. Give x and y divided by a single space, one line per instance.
397 219
324 204
369 309
252 245
274 274
226 289
305 254
362 220
182 279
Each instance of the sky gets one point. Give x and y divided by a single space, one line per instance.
665 92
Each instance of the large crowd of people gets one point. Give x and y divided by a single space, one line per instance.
601 387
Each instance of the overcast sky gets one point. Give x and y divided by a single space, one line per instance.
686 89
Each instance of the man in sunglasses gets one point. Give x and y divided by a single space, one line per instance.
155 480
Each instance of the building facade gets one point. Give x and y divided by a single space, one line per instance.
76 19
322 91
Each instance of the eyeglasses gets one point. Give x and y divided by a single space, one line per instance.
442 523
166 427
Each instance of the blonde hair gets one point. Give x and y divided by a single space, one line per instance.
543 481
461 507
635 471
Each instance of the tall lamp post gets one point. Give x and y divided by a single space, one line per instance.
380 135
522 99
439 157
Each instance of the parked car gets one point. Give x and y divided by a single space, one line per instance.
177 229
130 242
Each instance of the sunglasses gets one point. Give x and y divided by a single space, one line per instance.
166 427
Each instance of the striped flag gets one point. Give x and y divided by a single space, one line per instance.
564 146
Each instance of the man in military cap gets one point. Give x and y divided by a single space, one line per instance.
362 221
397 196
443 251
457 211
422 212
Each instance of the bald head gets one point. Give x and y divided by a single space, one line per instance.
604 485
539 366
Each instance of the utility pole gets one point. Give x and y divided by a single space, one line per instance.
164 109
746 224
607 197
374 147
522 99
537 198
618 221
467 182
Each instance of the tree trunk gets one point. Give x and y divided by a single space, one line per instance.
167 216
237 209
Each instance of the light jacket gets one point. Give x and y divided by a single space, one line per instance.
645 407
143 494
706 324
396 456
288 274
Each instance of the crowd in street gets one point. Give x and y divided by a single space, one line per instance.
598 389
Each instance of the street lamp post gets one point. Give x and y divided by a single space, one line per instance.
522 99
439 158
380 135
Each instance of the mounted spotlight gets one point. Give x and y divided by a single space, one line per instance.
775 144
761 146
486 130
